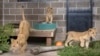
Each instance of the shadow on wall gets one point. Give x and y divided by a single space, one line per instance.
1 2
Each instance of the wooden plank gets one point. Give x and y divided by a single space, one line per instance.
38 33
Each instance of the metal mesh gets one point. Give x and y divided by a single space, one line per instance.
79 17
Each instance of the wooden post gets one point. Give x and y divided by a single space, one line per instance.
48 41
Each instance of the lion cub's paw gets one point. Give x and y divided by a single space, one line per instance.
66 45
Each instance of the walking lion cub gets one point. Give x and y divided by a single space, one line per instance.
82 37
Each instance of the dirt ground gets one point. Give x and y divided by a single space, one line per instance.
28 53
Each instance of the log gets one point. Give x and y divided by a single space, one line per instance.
39 50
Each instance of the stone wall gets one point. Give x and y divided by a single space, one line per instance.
35 12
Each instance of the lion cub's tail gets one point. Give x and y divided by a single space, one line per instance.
23 15
22 22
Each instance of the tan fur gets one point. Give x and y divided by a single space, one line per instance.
82 37
20 44
49 15
14 46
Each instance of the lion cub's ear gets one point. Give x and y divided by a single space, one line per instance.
49 8
94 28
46 7
90 29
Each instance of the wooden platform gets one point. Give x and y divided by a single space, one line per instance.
49 34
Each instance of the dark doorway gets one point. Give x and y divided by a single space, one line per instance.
79 19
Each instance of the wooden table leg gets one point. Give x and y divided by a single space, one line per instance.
48 41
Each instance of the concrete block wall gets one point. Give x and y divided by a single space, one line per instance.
97 17
35 12
1 1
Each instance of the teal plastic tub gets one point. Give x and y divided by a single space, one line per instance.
44 26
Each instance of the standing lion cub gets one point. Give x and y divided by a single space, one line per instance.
20 44
82 37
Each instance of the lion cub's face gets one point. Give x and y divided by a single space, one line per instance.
49 10
14 45
92 32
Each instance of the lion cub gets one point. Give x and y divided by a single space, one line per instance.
49 15
82 37
20 44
